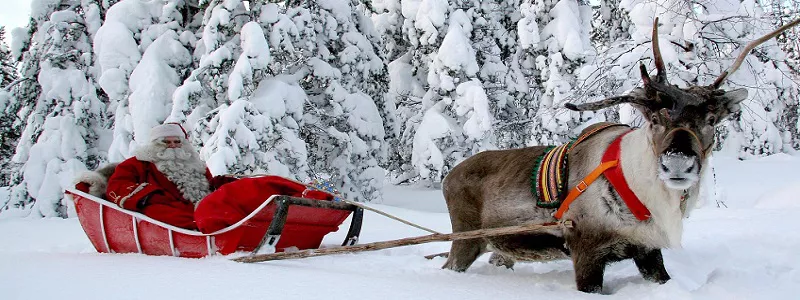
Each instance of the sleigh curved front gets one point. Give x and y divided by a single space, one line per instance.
112 229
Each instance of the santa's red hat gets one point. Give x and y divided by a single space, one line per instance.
168 129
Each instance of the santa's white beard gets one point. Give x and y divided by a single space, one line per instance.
174 154
182 166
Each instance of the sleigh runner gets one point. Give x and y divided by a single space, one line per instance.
280 222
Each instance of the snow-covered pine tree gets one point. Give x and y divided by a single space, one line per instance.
258 132
117 51
494 38
331 48
206 88
153 82
408 60
64 129
457 120
610 24
391 23
22 95
130 28
781 13
417 75
763 127
604 74
8 71
555 39
8 138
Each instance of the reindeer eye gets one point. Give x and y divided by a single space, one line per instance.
712 120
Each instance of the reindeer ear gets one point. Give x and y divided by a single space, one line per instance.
641 103
731 99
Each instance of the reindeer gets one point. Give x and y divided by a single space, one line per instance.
662 163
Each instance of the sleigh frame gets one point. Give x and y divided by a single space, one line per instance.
112 229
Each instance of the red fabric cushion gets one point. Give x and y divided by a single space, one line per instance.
234 201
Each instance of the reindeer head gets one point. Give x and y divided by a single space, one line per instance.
681 120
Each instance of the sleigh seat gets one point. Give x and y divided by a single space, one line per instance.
273 224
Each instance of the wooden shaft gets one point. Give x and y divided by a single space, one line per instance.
437 237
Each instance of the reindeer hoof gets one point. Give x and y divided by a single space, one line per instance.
592 289
660 278
500 260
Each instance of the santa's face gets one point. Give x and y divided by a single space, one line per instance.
172 141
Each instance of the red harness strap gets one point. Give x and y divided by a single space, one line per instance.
610 167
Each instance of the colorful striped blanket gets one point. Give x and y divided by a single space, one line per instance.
550 174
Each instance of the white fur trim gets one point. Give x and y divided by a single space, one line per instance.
165 130
97 183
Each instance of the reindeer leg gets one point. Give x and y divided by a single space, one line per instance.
589 269
651 265
463 253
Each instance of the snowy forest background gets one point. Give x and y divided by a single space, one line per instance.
363 93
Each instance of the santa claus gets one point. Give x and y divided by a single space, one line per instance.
164 180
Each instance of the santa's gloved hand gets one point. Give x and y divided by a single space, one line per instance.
142 203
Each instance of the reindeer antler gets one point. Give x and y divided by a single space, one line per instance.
598 105
661 78
738 62
661 69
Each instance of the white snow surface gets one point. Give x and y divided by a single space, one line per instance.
745 251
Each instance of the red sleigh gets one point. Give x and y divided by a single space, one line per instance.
112 229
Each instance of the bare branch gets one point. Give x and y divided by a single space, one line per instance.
8 87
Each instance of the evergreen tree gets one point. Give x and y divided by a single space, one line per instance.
62 132
605 75
206 87
20 98
764 127
781 13
555 40
8 72
331 49
407 70
258 133
457 121
449 44
8 76
494 38
131 27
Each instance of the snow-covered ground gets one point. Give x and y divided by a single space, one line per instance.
746 251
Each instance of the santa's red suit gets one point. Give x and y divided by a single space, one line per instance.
139 186
161 182
167 184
